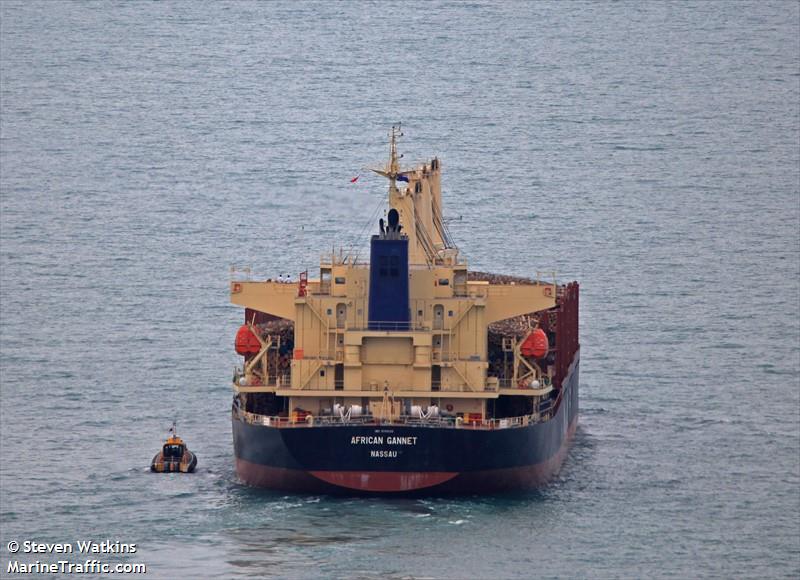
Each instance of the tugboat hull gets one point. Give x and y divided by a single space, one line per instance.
186 465
392 459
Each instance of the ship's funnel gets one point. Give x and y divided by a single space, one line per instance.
388 280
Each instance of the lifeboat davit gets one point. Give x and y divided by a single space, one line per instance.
536 345
246 341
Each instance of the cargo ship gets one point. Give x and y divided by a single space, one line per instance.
407 373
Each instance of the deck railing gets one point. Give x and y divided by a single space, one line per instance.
284 380
406 420
390 326
281 380
544 381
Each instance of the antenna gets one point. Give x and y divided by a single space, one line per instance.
392 169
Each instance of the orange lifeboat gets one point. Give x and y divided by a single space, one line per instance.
246 341
536 345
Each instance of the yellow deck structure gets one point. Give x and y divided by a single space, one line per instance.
440 358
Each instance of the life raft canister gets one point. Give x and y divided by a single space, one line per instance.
536 345
246 341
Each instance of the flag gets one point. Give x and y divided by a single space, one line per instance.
355 179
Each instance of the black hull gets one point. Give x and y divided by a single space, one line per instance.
405 459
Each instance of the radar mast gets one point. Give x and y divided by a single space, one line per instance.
392 169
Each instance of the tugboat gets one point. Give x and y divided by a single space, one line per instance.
174 456
407 374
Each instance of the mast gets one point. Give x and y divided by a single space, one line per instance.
394 166
418 202
392 169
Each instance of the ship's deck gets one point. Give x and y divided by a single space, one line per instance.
439 422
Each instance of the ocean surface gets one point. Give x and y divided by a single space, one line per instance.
649 150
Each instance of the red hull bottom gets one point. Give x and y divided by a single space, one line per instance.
399 482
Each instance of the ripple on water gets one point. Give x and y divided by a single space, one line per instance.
136 168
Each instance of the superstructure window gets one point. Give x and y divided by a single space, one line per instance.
340 280
394 263
173 451
383 264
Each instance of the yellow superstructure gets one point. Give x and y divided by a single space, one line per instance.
439 358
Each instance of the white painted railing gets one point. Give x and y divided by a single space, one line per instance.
405 420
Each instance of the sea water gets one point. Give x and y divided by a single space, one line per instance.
648 150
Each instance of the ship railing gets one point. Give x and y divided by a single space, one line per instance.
282 380
241 272
388 325
247 274
503 383
298 421
547 278
342 258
